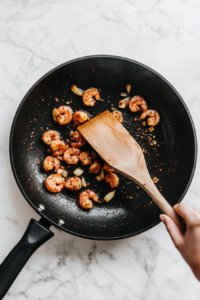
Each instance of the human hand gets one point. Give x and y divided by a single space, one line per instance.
189 244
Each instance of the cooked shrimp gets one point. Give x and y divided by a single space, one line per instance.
58 147
113 179
71 156
88 97
118 116
154 117
137 103
49 136
73 183
62 115
51 162
85 158
108 168
55 114
95 167
78 140
54 183
84 199
80 117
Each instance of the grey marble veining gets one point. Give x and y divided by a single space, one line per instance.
36 36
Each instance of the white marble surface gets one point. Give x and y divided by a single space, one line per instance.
36 36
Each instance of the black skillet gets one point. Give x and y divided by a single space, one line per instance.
131 212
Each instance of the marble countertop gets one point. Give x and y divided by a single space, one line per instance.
36 36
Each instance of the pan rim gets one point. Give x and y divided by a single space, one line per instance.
16 116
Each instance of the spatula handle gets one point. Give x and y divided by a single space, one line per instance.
163 204
145 181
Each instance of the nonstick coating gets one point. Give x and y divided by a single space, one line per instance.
122 216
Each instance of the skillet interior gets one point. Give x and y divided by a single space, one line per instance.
175 134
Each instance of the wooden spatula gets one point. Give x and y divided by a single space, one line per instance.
119 149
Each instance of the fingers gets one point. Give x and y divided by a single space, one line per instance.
197 210
190 216
183 210
173 230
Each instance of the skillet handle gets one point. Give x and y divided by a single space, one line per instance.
35 235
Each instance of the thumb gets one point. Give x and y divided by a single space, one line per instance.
173 230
